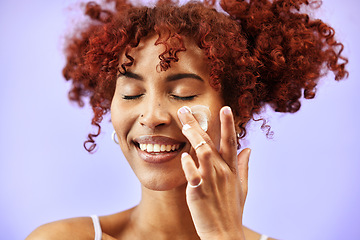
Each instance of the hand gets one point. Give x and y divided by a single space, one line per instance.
216 205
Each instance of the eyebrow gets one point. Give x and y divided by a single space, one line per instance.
179 76
131 75
170 78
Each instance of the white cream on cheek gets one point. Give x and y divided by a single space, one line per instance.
202 114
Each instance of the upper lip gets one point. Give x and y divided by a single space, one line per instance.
152 139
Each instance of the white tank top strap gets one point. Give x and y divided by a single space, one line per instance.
264 237
97 227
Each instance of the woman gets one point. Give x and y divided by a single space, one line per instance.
182 83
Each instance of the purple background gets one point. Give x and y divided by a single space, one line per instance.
304 184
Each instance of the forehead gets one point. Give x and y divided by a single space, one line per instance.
147 55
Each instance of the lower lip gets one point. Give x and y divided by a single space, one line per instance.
161 157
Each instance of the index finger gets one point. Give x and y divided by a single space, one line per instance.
198 134
198 138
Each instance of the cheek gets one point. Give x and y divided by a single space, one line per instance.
115 116
202 114
214 129
121 120
214 123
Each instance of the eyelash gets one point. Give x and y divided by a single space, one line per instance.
131 97
188 98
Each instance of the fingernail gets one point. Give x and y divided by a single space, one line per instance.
184 154
186 127
227 110
184 109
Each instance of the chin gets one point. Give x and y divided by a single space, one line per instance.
163 183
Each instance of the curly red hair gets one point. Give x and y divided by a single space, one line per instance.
259 51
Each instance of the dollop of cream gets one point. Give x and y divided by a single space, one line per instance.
202 114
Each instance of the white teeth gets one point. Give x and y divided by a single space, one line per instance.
143 146
158 147
168 148
163 148
149 147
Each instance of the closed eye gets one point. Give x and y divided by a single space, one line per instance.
131 97
187 98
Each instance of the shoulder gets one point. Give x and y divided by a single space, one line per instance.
115 224
81 228
74 228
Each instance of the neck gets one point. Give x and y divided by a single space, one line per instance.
163 215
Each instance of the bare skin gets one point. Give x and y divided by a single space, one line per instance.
113 226
169 209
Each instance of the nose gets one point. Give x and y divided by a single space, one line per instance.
154 114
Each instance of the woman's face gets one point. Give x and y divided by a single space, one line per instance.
144 111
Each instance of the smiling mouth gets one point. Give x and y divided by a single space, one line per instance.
159 148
